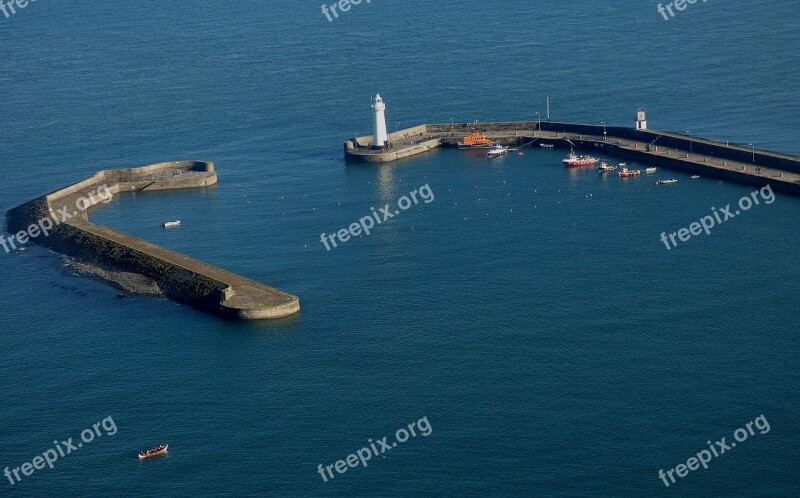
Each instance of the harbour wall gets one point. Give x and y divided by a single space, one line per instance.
669 150
677 163
659 138
181 278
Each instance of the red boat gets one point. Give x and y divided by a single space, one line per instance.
625 172
574 161
161 450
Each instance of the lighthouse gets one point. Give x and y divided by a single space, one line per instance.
379 137
641 119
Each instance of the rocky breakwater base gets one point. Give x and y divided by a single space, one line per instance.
179 277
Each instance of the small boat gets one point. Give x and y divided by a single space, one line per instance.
650 170
520 153
21 249
159 451
695 177
627 173
475 140
546 146
605 168
666 182
575 161
497 151
172 224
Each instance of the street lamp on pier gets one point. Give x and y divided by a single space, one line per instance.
691 148
604 130
753 148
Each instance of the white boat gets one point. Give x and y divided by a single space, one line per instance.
666 182
650 170
546 146
172 224
161 450
605 168
695 177
497 151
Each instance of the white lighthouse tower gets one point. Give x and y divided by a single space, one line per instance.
379 137
641 119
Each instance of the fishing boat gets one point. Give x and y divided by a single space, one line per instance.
575 161
605 168
650 170
546 146
154 452
666 182
497 151
476 140
695 177
172 224
627 173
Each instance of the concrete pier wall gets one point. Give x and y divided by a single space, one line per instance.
181 278
670 150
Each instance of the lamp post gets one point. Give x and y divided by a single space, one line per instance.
753 148
604 130
452 126
691 148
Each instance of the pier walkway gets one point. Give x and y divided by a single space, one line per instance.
668 150
182 278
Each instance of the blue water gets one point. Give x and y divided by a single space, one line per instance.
530 313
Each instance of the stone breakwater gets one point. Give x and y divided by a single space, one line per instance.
179 277
741 164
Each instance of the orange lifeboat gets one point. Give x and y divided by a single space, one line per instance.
476 140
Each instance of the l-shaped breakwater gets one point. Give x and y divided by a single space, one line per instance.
180 277
710 158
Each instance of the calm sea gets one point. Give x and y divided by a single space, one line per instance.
530 313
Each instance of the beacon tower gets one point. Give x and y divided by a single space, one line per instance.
379 137
641 119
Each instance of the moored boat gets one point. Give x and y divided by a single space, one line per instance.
497 150
695 177
546 146
650 170
666 182
605 168
627 173
574 161
154 452
476 140
172 224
